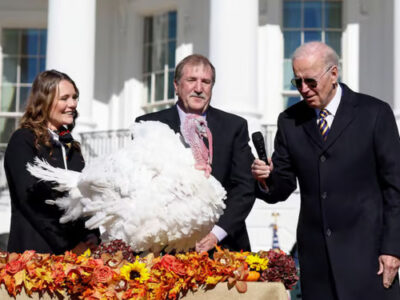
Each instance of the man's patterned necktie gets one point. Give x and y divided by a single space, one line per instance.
323 124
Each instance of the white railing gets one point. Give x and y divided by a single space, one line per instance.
98 143
3 179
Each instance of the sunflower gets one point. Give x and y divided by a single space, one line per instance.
136 271
257 263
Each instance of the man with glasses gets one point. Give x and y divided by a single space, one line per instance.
344 150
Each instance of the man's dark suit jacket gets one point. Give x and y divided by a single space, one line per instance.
350 195
35 225
231 165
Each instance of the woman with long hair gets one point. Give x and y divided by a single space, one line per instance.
45 132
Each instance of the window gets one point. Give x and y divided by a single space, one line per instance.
159 60
306 21
23 57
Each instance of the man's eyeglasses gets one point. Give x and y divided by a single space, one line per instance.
297 82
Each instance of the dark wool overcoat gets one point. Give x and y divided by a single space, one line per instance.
350 195
35 225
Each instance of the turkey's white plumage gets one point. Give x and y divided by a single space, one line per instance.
148 194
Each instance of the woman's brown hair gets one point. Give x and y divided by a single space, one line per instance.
37 113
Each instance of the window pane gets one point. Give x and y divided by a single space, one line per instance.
159 56
333 14
42 42
333 39
147 80
160 27
287 75
30 42
148 29
42 64
10 41
312 14
159 87
171 54
23 98
147 59
171 90
312 36
8 98
290 100
172 25
7 127
292 39
29 69
292 14
10 69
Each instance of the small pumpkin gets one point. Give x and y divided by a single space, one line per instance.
253 276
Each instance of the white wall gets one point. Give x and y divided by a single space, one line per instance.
376 49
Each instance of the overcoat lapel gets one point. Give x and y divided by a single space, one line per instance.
173 119
311 128
211 120
344 116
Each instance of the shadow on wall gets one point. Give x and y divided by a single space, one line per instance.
118 48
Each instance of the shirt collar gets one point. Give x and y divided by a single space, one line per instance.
333 105
182 114
53 134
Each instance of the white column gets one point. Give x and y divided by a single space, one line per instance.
351 44
233 51
396 61
270 61
351 55
71 49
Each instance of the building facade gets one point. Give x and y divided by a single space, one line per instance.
122 54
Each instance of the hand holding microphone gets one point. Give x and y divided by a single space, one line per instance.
262 167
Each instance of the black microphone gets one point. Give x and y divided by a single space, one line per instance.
258 142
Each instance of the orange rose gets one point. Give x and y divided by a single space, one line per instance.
27 256
14 266
171 263
102 274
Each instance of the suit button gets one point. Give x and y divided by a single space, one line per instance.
322 158
324 195
328 232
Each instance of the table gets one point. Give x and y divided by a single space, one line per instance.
255 291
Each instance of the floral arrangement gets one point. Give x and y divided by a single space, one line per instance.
105 275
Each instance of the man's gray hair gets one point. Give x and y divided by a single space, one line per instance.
194 59
329 55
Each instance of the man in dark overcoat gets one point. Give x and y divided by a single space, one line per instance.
344 150
232 158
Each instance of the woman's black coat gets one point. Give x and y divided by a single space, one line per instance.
34 224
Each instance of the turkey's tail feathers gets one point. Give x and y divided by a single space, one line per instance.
66 181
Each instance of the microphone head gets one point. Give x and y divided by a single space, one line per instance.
259 145
257 136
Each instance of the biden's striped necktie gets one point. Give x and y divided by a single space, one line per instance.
323 124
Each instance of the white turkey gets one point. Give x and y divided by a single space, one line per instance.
153 193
